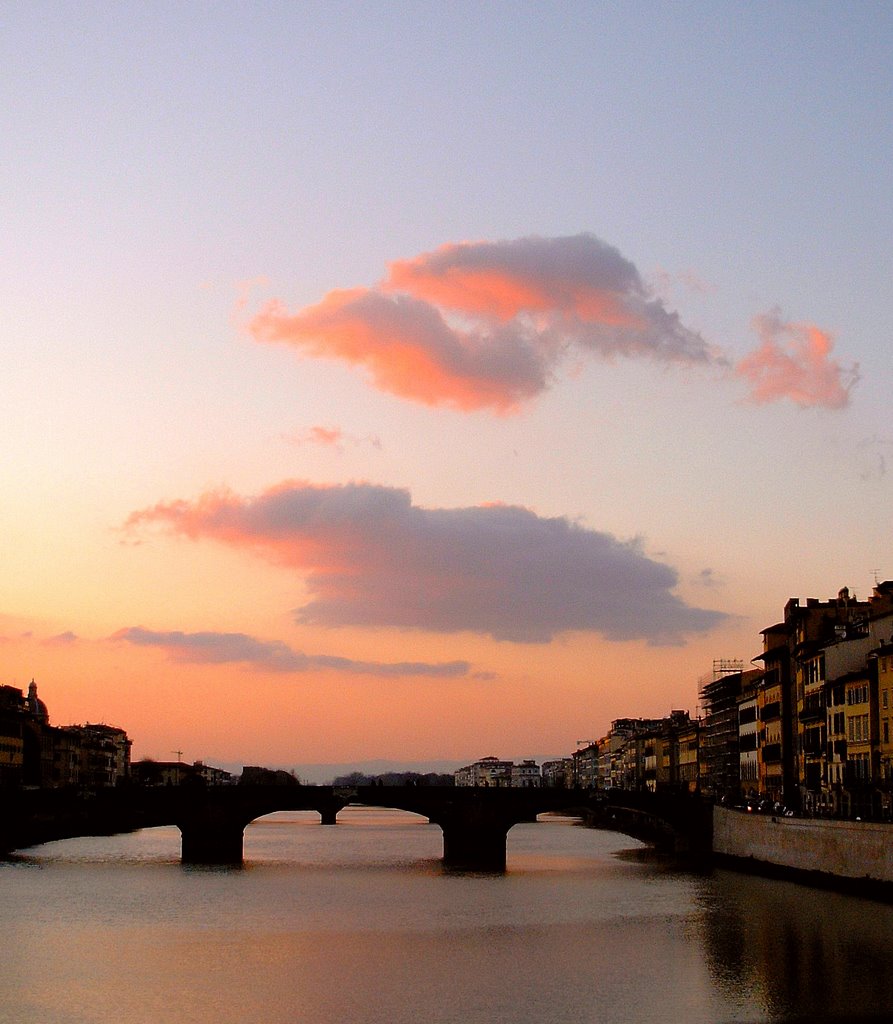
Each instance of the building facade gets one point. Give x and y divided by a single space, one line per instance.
34 753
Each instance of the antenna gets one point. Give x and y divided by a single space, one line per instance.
874 573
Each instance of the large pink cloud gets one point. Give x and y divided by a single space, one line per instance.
794 362
371 558
486 324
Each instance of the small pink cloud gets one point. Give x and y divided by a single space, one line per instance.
331 437
794 362
326 435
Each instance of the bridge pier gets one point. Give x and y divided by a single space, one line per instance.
469 846
204 843
329 805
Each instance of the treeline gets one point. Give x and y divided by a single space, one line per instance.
395 779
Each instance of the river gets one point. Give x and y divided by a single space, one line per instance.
358 923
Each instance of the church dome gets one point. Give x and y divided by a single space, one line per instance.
36 707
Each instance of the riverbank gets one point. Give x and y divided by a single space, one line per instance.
848 856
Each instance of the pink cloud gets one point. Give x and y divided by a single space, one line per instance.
578 275
794 362
486 324
410 349
213 648
370 558
332 437
326 435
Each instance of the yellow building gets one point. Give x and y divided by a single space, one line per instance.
770 708
884 661
811 725
861 744
835 766
688 769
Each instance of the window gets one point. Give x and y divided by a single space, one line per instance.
860 728
858 767
814 670
747 714
884 699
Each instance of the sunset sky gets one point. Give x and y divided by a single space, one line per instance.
426 381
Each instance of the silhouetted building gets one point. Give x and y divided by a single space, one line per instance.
558 772
23 721
526 775
255 776
488 771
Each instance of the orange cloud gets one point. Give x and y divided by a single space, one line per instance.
370 558
794 362
486 324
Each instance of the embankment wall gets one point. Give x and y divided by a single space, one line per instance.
839 854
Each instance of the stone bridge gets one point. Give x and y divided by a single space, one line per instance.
474 821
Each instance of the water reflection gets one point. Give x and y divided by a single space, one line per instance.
800 953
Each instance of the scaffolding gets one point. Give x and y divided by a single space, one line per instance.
719 694
726 667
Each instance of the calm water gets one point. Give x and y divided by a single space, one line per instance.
358 923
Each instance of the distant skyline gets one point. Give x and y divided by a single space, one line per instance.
389 383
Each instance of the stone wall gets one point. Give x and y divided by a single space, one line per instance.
844 850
